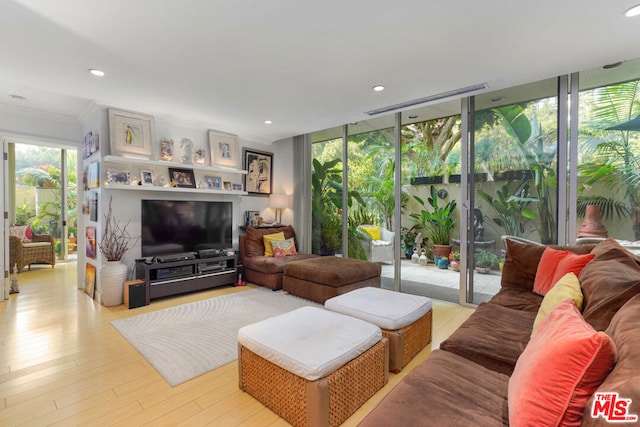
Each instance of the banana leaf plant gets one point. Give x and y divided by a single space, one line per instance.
437 221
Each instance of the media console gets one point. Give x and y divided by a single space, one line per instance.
171 278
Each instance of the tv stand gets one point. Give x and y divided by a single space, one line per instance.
171 278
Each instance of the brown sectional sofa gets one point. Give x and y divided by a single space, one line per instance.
466 381
262 270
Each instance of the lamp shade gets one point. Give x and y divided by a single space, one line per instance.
278 201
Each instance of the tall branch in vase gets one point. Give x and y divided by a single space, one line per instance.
116 240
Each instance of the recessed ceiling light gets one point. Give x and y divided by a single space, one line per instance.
413 116
378 88
97 73
267 122
496 99
18 97
613 65
633 11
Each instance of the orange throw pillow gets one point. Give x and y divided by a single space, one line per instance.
559 369
554 264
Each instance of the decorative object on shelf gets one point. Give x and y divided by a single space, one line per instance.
213 182
416 256
237 187
182 177
160 181
118 176
200 157
224 149
227 185
592 225
166 149
90 280
131 133
423 257
146 177
258 165
114 243
251 218
186 145
90 234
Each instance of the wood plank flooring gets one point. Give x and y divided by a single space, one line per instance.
62 363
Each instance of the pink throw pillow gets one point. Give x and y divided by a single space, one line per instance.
554 264
558 371
282 248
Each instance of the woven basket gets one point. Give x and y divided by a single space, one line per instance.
412 338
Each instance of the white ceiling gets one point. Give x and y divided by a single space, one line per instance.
306 65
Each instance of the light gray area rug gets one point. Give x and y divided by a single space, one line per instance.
188 340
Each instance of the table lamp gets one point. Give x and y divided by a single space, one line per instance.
278 202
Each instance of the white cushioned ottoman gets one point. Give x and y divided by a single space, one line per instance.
405 319
311 366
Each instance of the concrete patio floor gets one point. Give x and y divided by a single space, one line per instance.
434 282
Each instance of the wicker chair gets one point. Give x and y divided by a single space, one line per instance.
39 251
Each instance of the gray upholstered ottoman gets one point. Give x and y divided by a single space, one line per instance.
405 319
319 279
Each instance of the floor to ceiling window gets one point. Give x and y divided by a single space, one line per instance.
517 171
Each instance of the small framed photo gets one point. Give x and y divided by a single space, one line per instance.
90 234
237 187
227 185
93 175
258 165
130 133
117 176
224 149
90 280
146 177
213 182
182 177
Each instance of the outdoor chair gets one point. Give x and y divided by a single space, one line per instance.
39 249
377 243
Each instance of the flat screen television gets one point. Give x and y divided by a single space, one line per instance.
171 227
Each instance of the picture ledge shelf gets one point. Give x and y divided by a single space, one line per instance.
141 161
175 189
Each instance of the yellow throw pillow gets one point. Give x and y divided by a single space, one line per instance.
268 238
372 231
568 287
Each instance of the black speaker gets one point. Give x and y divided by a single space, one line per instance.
135 294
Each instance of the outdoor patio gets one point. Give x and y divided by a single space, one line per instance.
434 282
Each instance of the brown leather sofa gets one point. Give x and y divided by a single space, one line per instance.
466 381
264 270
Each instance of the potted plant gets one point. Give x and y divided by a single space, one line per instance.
438 222
408 239
443 262
454 260
484 260
114 243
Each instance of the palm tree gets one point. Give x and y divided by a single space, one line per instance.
613 155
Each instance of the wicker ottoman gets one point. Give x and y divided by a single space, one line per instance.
297 366
319 279
405 319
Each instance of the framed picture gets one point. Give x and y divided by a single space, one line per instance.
213 182
237 187
90 233
258 165
146 177
93 175
182 177
224 149
90 280
227 185
118 176
251 218
130 133
93 207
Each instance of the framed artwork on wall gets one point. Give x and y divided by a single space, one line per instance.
182 177
224 149
258 165
90 280
90 233
130 133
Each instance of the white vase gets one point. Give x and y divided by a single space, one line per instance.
112 277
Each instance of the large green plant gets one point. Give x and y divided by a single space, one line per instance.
511 207
326 205
437 221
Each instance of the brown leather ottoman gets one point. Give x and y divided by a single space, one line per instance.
319 279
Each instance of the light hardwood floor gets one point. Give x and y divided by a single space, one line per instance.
62 363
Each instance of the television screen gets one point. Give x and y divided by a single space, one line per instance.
170 227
